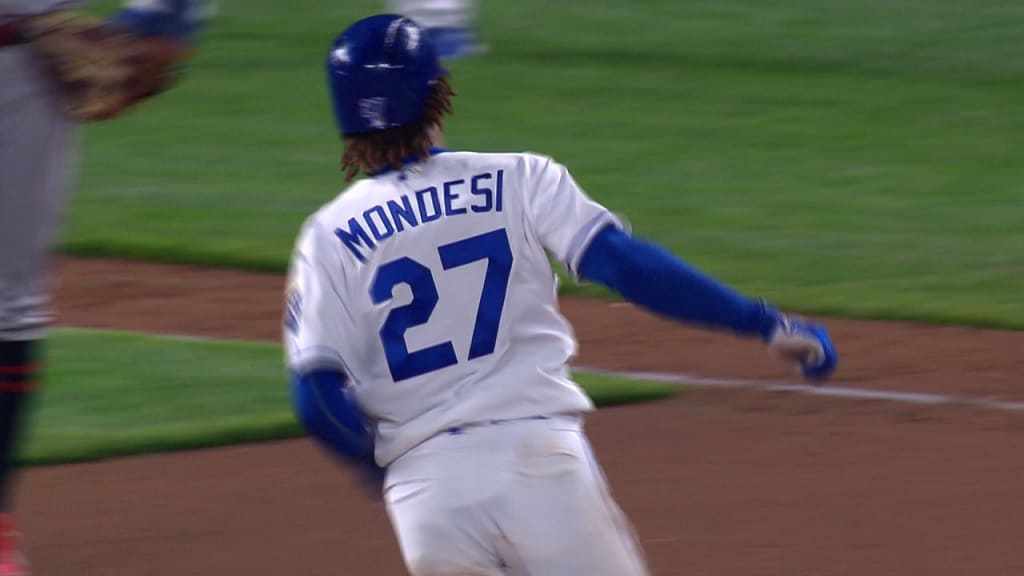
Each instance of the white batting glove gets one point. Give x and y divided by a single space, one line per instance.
805 344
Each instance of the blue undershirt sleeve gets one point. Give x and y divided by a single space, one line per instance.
652 277
331 416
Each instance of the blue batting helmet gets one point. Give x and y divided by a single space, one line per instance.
380 71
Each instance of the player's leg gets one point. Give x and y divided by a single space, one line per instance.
18 378
452 24
560 519
435 499
34 161
520 498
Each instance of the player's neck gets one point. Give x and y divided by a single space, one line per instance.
436 141
436 137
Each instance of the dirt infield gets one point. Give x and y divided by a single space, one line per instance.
718 482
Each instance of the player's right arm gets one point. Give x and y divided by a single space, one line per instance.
595 246
323 404
320 385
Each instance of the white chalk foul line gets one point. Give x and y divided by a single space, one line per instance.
687 379
826 390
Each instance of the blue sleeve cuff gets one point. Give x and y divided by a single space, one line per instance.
330 414
650 276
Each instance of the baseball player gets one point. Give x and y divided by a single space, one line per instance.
58 68
423 335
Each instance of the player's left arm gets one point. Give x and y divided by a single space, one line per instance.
650 276
593 244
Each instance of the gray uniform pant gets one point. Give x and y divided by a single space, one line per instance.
36 157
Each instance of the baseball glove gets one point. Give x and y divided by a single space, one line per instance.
102 68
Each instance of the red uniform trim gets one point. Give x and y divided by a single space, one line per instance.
9 35
19 369
25 386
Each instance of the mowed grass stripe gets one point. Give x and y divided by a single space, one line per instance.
856 158
119 393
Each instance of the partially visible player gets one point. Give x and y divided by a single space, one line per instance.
451 24
424 337
37 153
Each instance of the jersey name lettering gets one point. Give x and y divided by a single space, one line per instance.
380 222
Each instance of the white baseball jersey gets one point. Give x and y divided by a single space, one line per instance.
432 289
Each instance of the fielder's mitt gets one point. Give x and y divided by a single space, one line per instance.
102 68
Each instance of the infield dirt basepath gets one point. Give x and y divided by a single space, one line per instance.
718 482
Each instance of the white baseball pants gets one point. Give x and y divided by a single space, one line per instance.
516 498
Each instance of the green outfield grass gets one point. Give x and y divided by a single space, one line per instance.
858 158
119 393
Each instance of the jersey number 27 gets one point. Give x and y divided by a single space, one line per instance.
403 363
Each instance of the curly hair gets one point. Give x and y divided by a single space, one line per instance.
371 151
